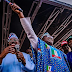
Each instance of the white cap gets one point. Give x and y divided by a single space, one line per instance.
47 34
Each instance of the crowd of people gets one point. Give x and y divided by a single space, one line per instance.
42 57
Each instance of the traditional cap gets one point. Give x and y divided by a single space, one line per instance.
64 42
47 34
12 35
69 38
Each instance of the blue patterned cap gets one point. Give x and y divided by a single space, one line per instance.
47 34
12 35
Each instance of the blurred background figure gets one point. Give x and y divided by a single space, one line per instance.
65 47
29 51
69 40
69 55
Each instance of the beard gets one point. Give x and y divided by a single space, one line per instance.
49 43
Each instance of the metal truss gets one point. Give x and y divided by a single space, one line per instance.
62 26
36 10
23 34
57 44
58 4
50 20
31 8
22 38
5 24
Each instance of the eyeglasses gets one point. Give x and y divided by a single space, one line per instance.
14 41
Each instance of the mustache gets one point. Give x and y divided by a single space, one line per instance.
49 43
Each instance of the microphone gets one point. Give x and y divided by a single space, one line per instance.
17 49
12 4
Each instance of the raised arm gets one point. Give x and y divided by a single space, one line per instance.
26 24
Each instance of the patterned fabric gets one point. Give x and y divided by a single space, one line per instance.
11 35
50 58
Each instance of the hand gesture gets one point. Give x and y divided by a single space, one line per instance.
15 7
9 49
20 57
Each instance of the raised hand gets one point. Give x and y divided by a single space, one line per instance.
16 8
9 49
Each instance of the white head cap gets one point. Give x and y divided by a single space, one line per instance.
47 34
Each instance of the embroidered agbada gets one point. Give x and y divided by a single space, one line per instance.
44 60
50 59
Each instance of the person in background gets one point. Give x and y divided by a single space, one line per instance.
65 47
69 55
12 60
29 51
69 40
49 59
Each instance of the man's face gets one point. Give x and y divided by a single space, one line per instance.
65 47
14 41
48 40
70 43
29 51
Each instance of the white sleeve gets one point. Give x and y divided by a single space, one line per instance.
26 24
29 63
